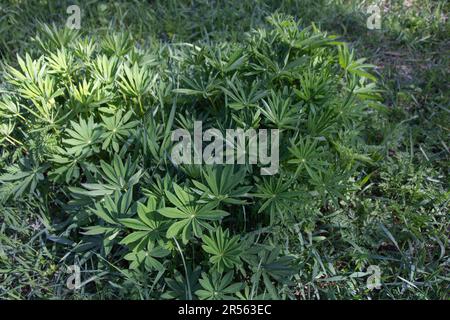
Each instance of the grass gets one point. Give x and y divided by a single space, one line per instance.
398 220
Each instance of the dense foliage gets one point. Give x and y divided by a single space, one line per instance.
90 126
86 124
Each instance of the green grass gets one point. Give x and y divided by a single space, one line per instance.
398 219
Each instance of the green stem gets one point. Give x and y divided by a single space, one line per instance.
13 141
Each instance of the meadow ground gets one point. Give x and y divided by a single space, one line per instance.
397 220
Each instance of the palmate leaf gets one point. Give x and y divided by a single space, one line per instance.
148 227
330 184
147 257
218 287
315 89
137 81
67 165
117 44
221 185
117 177
274 264
31 71
192 217
42 93
87 95
322 123
105 69
292 33
6 130
62 63
84 49
268 264
276 195
23 177
226 61
117 128
247 119
237 96
200 87
110 211
157 137
280 112
180 288
307 155
10 108
268 65
158 185
352 66
367 91
349 153
224 250
52 37
83 137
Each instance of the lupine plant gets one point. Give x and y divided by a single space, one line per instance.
86 125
